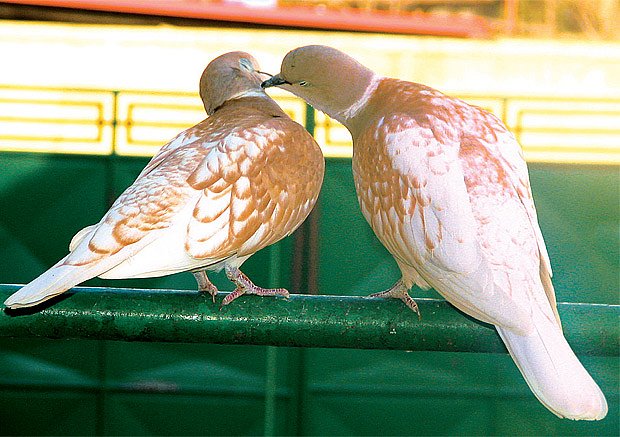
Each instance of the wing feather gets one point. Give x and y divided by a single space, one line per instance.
506 166
183 139
438 237
257 187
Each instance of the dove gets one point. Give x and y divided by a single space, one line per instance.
238 181
445 187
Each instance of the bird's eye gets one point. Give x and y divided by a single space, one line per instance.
303 83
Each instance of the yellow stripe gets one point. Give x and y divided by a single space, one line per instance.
134 123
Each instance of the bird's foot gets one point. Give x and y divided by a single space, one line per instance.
244 285
204 285
399 291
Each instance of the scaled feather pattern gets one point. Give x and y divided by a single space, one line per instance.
445 187
242 179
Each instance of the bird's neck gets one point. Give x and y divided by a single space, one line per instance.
351 116
252 101
253 92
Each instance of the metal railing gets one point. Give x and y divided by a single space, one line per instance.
301 321
137 123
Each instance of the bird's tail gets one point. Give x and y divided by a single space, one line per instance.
55 281
553 372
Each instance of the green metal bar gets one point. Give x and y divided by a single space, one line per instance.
307 321
310 123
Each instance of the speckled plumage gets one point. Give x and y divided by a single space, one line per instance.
242 179
461 240
445 188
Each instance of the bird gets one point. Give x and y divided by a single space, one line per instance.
444 185
238 181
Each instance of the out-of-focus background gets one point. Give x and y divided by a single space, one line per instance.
89 90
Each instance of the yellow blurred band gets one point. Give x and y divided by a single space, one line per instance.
128 89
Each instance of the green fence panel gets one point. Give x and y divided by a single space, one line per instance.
107 387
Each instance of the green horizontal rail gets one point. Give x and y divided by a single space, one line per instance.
302 320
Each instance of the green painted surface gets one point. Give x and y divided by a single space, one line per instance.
300 321
110 387
579 210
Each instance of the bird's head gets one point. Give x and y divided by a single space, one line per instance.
229 76
328 79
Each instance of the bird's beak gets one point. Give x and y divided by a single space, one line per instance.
274 81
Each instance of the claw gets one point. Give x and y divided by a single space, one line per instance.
204 285
232 296
399 291
244 285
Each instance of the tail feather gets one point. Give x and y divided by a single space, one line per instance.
553 372
53 282
73 269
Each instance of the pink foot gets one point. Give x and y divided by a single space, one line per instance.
399 291
244 285
204 285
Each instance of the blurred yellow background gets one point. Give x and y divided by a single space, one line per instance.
560 97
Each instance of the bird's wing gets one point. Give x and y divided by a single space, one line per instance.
183 139
257 187
222 194
166 152
505 148
139 217
151 203
503 158
413 193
